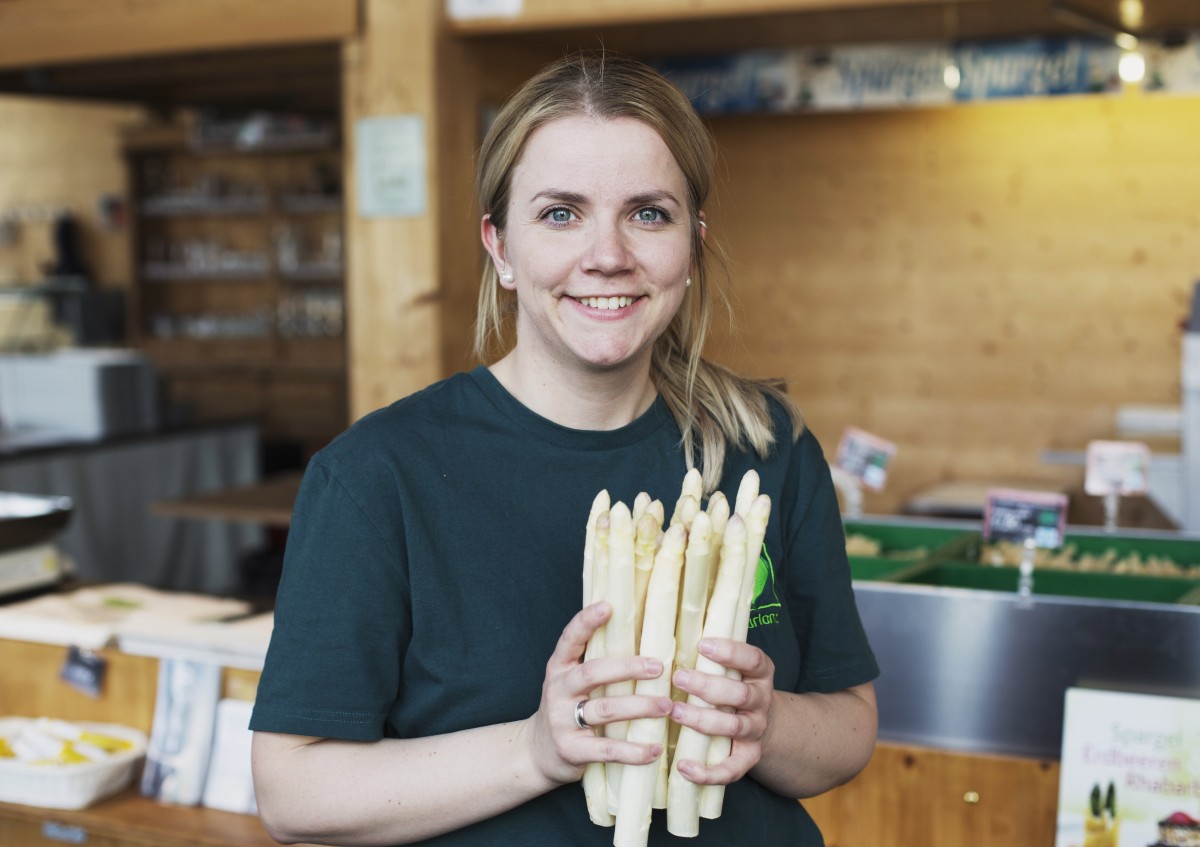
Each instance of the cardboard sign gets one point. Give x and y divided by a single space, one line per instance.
1130 772
1015 515
865 457
1116 467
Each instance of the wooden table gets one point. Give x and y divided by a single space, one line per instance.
268 503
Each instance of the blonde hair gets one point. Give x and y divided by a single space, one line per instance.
713 407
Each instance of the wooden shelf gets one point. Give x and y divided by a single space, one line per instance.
554 14
129 818
241 204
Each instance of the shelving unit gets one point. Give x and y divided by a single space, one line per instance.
238 263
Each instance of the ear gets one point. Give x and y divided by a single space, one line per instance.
703 225
493 242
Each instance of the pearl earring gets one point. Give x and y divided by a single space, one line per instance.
688 283
506 276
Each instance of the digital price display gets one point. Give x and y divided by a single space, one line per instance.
865 457
1117 467
1014 515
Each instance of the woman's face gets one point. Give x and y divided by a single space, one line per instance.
598 241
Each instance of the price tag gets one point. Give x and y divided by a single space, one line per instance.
1116 467
84 670
865 456
1013 515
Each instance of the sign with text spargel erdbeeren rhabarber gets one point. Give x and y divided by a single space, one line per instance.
1130 770
865 457
1015 515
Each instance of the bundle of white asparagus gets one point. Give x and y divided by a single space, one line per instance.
668 588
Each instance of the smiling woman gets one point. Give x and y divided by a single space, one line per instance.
426 680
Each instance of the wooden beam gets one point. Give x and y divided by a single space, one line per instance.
392 278
37 32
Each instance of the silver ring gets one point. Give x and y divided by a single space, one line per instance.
579 721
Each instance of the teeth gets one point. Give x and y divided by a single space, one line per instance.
606 302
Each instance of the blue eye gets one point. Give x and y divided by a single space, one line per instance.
560 216
651 215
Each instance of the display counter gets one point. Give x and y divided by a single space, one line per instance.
968 664
113 535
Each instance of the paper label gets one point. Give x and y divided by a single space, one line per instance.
464 9
1130 770
1015 515
84 671
865 456
1116 467
390 162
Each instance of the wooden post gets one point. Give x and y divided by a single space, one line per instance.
392 285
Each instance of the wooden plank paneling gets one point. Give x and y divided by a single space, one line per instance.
979 283
909 795
34 32
68 156
32 688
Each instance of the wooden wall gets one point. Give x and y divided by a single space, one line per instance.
55 153
977 283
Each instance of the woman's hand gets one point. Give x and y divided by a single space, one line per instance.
749 708
560 747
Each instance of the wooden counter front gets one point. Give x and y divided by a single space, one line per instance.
130 820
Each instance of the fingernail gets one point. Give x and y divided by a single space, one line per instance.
706 646
600 610
653 666
681 678
665 705
677 711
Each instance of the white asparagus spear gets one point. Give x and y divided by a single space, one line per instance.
747 491
645 545
683 795
599 504
712 797
639 506
595 570
634 808
693 601
620 637
718 512
693 486
698 566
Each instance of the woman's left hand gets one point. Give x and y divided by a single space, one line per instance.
748 700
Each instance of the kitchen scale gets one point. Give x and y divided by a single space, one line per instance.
29 555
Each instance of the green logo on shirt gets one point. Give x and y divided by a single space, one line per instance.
764 610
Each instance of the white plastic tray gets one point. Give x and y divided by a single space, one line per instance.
69 786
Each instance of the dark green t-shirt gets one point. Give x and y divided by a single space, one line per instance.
435 555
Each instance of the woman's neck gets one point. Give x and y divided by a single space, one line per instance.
595 400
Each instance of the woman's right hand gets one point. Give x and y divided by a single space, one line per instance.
560 748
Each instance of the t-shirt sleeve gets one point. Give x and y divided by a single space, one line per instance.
342 616
835 653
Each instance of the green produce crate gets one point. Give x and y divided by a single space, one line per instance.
1060 583
898 541
964 570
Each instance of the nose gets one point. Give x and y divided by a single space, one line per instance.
608 250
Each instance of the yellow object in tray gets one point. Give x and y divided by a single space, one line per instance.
1071 559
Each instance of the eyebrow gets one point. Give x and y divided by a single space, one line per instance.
560 196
